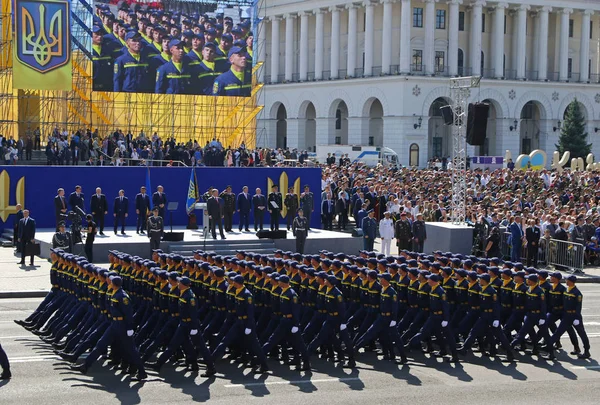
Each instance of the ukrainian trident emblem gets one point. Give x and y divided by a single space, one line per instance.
42 33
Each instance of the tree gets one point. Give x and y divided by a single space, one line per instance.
573 137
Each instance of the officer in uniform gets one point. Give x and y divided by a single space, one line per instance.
237 81
307 203
369 227
62 239
228 208
300 230
91 236
291 205
156 229
102 59
131 68
419 233
274 205
142 205
175 76
403 233
535 306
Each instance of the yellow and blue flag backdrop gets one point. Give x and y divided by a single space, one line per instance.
192 195
42 45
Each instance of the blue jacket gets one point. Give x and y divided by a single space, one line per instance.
121 207
132 75
102 70
228 84
205 77
516 233
244 204
142 203
170 80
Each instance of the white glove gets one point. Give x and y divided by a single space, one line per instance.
194 332
343 326
576 322
247 331
130 332
541 322
392 324
444 324
495 324
294 329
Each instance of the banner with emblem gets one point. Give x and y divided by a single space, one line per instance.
42 45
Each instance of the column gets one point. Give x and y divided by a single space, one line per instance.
335 42
289 46
429 24
564 45
319 44
260 44
303 46
522 40
405 26
584 52
533 61
369 31
498 38
477 12
386 37
352 23
274 49
542 64
453 6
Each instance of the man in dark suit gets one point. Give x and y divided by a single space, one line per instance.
516 234
76 156
26 235
244 203
532 234
275 205
99 208
215 208
328 209
142 205
259 202
60 206
159 199
121 211
18 218
76 199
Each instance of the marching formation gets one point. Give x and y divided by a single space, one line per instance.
290 306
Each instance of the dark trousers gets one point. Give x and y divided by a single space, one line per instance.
228 220
275 216
433 326
154 241
236 334
284 331
403 244
484 327
213 227
328 222
99 220
181 338
418 246
328 332
300 241
368 243
289 219
259 219
532 255
565 324
343 219
515 253
244 220
4 360
531 321
116 333
24 244
141 222
89 250
120 218
16 238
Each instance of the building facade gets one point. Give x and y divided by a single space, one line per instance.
377 72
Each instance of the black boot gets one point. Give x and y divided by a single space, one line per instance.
585 355
140 376
82 368
6 374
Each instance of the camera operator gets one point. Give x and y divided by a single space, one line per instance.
89 240
492 244
62 239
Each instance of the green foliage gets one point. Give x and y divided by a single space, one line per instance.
573 137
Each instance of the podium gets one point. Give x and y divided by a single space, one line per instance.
202 206
172 236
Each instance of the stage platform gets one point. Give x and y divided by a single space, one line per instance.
139 245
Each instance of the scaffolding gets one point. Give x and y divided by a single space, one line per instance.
232 120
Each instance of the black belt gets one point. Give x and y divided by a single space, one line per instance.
571 312
386 314
535 312
438 313
488 310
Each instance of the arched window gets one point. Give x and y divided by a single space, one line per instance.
338 119
413 157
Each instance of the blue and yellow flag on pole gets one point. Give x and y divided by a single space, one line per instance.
192 195
148 185
42 45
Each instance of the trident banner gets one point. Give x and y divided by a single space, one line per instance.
42 45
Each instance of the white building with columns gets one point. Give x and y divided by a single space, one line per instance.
377 72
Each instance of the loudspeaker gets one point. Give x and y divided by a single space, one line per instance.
447 114
173 236
477 123
264 234
357 233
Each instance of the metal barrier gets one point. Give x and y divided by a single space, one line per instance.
565 255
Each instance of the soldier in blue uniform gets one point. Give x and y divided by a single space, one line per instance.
102 59
369 227
535 306
175 76
120 331
573 299
194 56
236 81
225 45
131 69
207 70
288 327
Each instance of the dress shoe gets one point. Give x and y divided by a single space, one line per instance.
576 351
192 367
350 364
82 368
154 365
21 263
122 233
585 355
403 360
262 369
209 372
6 375
453 359
305 367
140 376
